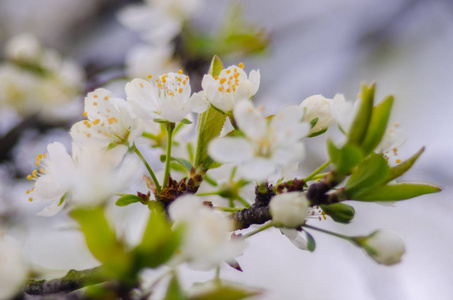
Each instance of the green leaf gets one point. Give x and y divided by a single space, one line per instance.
396 192
216 66
339 212
210 123
360 124
378 124
225 291
401 168
184 162
311 244
159 242
101 241
128 199
369 173
345 158
174 290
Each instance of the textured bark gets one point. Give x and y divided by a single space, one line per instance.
72 281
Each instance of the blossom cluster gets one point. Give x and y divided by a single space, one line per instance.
241 172
37 80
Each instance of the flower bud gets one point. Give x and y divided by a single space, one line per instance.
384 246
289 209
317 107
339 212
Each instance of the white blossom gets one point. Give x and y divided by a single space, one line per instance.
158 21
36 80
231 86
318 107
207 241
13 268
266 144
289 209
166 98
88 177
344 112
384 246
110 121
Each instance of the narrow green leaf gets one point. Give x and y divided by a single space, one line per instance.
183 162
401 168
369 173
362 119
128 199
378 124
210 124
174 290
101 241
339 212
345 158
396 192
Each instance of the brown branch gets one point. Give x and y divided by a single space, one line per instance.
72 281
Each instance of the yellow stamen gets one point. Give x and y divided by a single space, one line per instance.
241 65
180 72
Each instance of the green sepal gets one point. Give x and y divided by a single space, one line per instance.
63 198
318 133
339 212
359 126
226 291
125 200
371 172
401 168
396 192
174 290
159 241
186 121
102 242
311 244
344 159
312 122
378 125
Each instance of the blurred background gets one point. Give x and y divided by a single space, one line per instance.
301 48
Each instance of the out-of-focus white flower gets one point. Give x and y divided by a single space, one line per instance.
110 121
13 268
37 80
167 98
158 21
344 112
143 60
231 86
207 241
318 107
289 209
24 48
266 145
87 178
384 246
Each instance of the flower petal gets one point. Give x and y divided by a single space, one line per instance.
229 149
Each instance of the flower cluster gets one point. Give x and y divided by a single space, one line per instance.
240 172
36 80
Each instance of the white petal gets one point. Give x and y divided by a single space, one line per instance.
143 97
258 169
250 120
295 237
52 209
199 102
229 149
